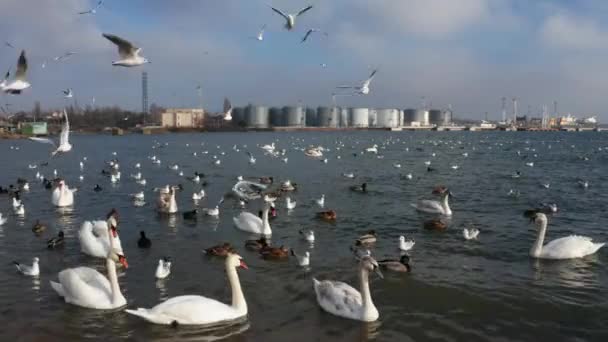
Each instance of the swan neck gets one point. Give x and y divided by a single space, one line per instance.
116 294
265 222
446 205
537 248
238 299
365 293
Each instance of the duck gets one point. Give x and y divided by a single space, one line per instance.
143 241
436 207
329 215
97 188
197 196
405 245
341 299
92 236
569 247
32 271
308 235
38 227
289 204
366 239
275 253
63 196
199 310
56 241
435 224
359 188
402 265
163 269
220 250
470 234
303 260
257 245
320 201
248 222
190 215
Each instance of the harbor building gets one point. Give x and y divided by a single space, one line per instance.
183 118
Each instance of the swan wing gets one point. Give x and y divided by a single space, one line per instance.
85 286
429 206
338 298
573 246
197 310
249 222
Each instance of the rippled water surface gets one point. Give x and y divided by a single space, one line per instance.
459 290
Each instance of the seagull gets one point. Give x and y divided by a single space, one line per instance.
308 235
94 9
19 83
405 245
303 260
260 36
470 234
9 45
309 32
27 270
291 18
363 89
64 144
251 158
68 93
64 57
129 53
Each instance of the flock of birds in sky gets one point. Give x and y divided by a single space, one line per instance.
86 287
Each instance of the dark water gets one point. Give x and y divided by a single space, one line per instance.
458 291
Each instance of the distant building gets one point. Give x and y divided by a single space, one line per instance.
34 128
183 118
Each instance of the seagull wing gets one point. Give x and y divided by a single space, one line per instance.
99 4
280 13
21 67
65 130
44 141
85 12
7 75
346 87
371 77
304 10
308 33
125 48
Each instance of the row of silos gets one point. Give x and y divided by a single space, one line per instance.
419 116
440 117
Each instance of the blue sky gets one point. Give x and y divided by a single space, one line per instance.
464 53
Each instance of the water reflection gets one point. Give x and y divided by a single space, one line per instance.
572 273
162 289
193 333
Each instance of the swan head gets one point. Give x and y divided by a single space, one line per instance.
402 238
36 260
236 261
536 216
441 190
370 264
119 258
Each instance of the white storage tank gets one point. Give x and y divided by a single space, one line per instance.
359 117
387 118
294 116
257 116
344 122
328 117
311 117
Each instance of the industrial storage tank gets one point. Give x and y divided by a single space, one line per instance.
311 117
257 116
409 115
294 116
420 116
387 118
276 117
446 117
238 115
435 117
401 117
373 118
344 122
359 117
328 117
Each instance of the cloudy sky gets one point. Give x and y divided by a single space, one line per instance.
464 53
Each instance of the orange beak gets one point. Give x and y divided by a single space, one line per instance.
123 262
243 265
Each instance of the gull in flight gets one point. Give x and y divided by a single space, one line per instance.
9 45
64 144
260 36
64 57
363 89
94 9
291 18
129 53
309 32
227 110
68 93
19 83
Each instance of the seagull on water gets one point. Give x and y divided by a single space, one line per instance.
291 18
64 143
129 53
94 9
19 83
363 89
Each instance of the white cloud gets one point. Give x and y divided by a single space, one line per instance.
571 32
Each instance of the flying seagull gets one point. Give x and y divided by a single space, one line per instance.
227 110
68 93
260 36
64 144
129 53
9 45
94 9
309 32
291 18
363 89
19 83
64 57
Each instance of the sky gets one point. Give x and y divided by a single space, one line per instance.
466 54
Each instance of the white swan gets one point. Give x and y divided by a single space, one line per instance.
163 269
93 240
63 196
199 310
83 286
570 247
343 300
251 223
441 207
166 202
